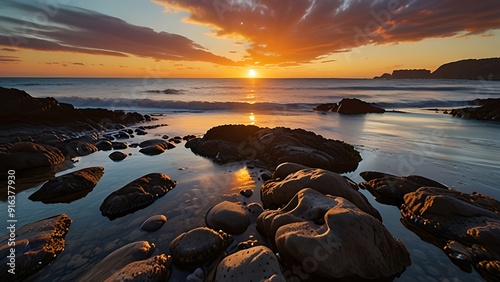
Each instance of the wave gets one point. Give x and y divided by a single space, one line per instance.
168 91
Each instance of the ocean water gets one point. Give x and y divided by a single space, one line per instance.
463 154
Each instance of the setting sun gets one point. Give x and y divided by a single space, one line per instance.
252 73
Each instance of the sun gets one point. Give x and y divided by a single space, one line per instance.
252 73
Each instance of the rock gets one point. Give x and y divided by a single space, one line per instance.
230 143
390 189
247 193
37 244
165 137
196 247
28 155
139 131
121 135
69 187
136 251
151 142
117 156
336 237
136 195
350 106
284 169
156 149
76 148
104 145
276 193
119 145
490 110
154 223
255 209
466 226
188 137
228 217
196 276
253 264
155 269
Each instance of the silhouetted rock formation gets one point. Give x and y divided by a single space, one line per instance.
481 69
490 110
349 106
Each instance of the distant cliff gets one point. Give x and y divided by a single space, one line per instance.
487 69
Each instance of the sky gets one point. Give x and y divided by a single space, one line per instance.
241 38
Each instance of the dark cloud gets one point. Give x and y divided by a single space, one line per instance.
9 59
79 30
8 49
281 32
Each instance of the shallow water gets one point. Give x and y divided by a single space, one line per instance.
463 154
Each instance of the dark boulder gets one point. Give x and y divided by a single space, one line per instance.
117 156
27 155
350 106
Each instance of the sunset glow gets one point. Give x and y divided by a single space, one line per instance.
171 38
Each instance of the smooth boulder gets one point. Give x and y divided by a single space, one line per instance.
273 146
136 195
27 155
154 269
228 217
37 244
117 156
156 149
69 187
154 223
278 192
253 264
350 106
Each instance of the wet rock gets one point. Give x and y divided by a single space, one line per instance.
117 156
121 135
284 169
350 106
196 276
230 143
151 142
69 187
489 110
119 145
76 148
165 137
37 244
118 259
156 149
154 223
247 193
155 269
139 131
465 226
253 264
188 137
390 189
136 195
196 247
104 145
27 155
255 209
228 217
276 193
352 243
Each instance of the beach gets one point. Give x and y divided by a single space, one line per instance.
411 137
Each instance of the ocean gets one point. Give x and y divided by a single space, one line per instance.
412 139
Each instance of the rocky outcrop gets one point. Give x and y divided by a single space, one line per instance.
332 238
390 189
253 264
28 155
489 110
465 226
349 106
229 143
69 187
120 258
197 247
278 192
37 244
154 269
136 195
228 217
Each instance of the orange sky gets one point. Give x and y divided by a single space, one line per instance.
192 38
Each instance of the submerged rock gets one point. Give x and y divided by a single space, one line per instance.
37 244
27 155
196 247
120 258
228 217
229 143
253 264
466 226
136 195
335 236
154 223
69 187
390 189
276 193
154 269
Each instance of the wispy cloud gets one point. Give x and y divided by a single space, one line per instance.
79 30
9 59
303 30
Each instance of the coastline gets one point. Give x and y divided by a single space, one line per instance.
185 206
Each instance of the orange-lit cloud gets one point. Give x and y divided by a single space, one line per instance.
291 32
79 30
9 59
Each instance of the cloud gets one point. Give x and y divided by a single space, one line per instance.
8 49
328 61
280 32
9 59
72 29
